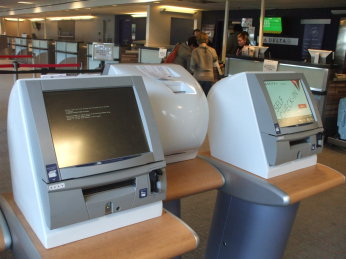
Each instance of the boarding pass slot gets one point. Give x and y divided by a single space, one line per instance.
112 186
295 143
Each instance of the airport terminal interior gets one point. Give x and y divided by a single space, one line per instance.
270 134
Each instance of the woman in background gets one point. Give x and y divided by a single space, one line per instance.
202 62
243 41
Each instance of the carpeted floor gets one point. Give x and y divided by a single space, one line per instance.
319 231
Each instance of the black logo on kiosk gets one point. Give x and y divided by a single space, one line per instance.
277 128
53 173
143 193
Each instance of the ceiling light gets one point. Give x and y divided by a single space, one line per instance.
25 2
84 17
138 14
177 9
14 19
36 19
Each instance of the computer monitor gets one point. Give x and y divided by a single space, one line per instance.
272 25
75 123
102 51
290 103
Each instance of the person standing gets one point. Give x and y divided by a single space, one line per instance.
202 62
243 41
183 57
232 41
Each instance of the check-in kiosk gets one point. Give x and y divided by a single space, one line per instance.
179 105
85 156
264 134
265 123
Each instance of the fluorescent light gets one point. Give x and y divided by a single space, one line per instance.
21 2
177 9
84 17
138 14
14 19
36 19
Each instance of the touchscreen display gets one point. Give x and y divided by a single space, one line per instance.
94 125
289 102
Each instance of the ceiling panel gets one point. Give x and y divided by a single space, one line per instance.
65 7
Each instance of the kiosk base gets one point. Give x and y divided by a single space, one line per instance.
61 236
245 230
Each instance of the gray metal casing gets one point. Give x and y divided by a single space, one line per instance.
63 202
279 146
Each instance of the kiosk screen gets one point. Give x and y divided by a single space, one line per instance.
289 102
95 125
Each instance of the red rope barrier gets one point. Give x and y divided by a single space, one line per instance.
16 56
49 65
6 65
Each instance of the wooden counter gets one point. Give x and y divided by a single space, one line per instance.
191 177
162 237
299 184
308 181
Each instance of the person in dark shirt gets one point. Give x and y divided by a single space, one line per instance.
232 41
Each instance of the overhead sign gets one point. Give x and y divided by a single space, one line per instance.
280 40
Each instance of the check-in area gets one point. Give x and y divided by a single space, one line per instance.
107 150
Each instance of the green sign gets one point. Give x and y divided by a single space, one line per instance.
272 25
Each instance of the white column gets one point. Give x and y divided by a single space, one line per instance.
18 35
225 31
45 28
260 35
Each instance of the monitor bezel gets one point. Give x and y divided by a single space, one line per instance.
34 91
268 120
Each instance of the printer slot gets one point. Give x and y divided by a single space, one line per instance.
297 142
178 87
112 186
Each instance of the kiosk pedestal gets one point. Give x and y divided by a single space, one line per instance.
253 216
189 177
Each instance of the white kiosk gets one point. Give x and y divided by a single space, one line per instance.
85 156
179 105
265 123
261 125
180 109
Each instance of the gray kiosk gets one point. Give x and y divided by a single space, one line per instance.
262 125
85 156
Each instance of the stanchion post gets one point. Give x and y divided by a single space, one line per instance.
15 66
33 62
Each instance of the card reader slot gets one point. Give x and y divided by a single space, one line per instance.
127 183
299 141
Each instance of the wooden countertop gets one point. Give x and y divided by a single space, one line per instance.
163 237
302 183
191 177
306 182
